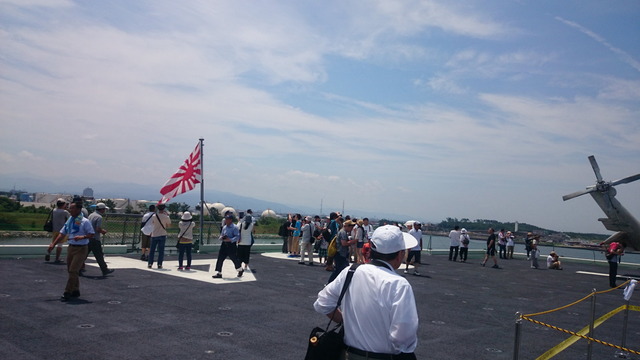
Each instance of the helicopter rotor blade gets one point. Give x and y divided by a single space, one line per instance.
578 193
596 168
626 180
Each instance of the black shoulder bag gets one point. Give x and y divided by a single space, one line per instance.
48 224
325 344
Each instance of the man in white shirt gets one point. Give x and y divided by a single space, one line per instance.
368 228
146 228
416 251
379 308
454 236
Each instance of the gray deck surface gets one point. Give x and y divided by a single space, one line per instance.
466 311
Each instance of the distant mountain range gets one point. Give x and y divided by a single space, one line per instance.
111 190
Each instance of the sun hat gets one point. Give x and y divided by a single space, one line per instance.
186 216
348 223
416 223
464 231
101 206
388 239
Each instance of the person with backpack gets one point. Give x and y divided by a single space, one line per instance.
306 240
146 228
283 232
161 222
245 226
464 245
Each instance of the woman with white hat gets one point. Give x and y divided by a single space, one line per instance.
464 245
185 239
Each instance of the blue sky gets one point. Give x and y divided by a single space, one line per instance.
429 109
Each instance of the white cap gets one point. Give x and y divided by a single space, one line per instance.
389 239
101 206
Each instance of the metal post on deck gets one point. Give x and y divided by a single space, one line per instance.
516 345
593 319
621 354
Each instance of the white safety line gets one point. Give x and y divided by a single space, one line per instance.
170 267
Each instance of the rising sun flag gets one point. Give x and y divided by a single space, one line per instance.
186 178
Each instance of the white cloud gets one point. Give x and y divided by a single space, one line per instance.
624 56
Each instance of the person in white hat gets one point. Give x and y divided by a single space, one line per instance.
464 245
95 246
185 239
379 309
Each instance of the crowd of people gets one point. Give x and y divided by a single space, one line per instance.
338 241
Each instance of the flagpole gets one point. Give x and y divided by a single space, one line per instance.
201 194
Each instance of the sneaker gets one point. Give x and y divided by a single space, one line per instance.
65 297
301 263
406 271
180 268
416 273
217 276
311 264
482 264
149 266
496 266
159 266
47 257
143 258
240 273
188 268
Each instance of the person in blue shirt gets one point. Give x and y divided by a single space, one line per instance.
229 247
79 230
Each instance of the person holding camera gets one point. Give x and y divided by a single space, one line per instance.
229 247
161 222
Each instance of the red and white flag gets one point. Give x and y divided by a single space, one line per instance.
185 179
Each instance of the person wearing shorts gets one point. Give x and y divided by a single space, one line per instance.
491 249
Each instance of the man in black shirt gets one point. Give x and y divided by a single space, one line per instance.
491 249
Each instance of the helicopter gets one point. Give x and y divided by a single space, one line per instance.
618 218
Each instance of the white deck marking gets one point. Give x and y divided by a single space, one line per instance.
170 267
591 273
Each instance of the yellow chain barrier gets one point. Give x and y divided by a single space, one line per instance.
581 334
576 302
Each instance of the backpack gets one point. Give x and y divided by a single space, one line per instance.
332 250
612 249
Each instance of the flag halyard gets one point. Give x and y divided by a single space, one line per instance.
185 179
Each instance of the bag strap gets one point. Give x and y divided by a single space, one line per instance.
160 221
49 216
184 232
144 223
345 286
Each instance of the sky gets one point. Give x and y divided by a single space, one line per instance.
428 109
